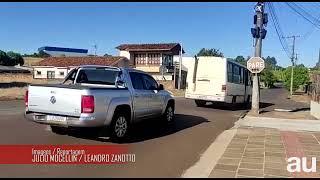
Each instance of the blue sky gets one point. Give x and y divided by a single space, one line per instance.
226 26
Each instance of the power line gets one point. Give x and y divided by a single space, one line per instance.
305 12
312 29
278 29
303 15
317 4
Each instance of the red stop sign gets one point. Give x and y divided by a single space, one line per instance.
255 64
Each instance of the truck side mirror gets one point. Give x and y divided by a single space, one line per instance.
119 83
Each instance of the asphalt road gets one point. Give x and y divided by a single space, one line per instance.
159 151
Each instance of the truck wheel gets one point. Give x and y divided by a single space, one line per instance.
200 103
58 130
168 115
119 126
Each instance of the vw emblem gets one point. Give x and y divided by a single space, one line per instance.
53 99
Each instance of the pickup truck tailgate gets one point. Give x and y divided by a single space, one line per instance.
55 100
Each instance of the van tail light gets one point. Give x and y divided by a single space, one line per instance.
87 104
224 88
26 98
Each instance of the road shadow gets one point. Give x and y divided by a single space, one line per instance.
235 107
301 109
148 129
13 84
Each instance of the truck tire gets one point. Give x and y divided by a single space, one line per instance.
120 126
200 103
58 130
168 115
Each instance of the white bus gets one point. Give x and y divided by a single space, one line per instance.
216 79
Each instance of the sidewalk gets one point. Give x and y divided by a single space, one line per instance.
262 152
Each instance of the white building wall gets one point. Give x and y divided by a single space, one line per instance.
185 61
125 54
43 72
315 109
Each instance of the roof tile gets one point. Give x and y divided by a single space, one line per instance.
78 61
160 46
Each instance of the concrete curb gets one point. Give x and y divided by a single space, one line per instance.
279 123
210 157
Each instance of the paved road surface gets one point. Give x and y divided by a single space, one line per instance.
277 98
159 152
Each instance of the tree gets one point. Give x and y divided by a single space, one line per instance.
300 76
270 62
15 58
107 55
210 52
241 60
279 74
3 58
268 77
42 54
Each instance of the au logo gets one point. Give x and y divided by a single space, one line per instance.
296 164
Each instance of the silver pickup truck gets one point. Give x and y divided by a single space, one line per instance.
99 96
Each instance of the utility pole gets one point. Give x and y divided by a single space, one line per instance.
180 68
95 49
174 74
292 61
318 64
259 34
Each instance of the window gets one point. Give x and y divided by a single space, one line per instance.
140 58
236 74
38 72
70 77
167 60
97 76
229 72
154 58
150 83
50 75
61 73
137 80
241 75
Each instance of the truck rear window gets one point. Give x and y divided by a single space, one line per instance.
97 76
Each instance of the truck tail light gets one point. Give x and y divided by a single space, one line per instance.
87 104
26 98
224 88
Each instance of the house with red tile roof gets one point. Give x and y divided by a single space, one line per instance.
59 67
153 58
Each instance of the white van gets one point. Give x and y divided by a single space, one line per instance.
216 79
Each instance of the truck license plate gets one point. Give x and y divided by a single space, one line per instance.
56 118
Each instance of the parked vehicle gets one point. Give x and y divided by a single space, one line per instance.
216 79
99 96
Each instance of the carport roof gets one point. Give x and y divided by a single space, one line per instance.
149 47
78 61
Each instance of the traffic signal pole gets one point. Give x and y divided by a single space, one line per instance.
258 46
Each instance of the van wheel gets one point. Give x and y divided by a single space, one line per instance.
234 99
248 99
119 127
200 103
59 130
168 115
